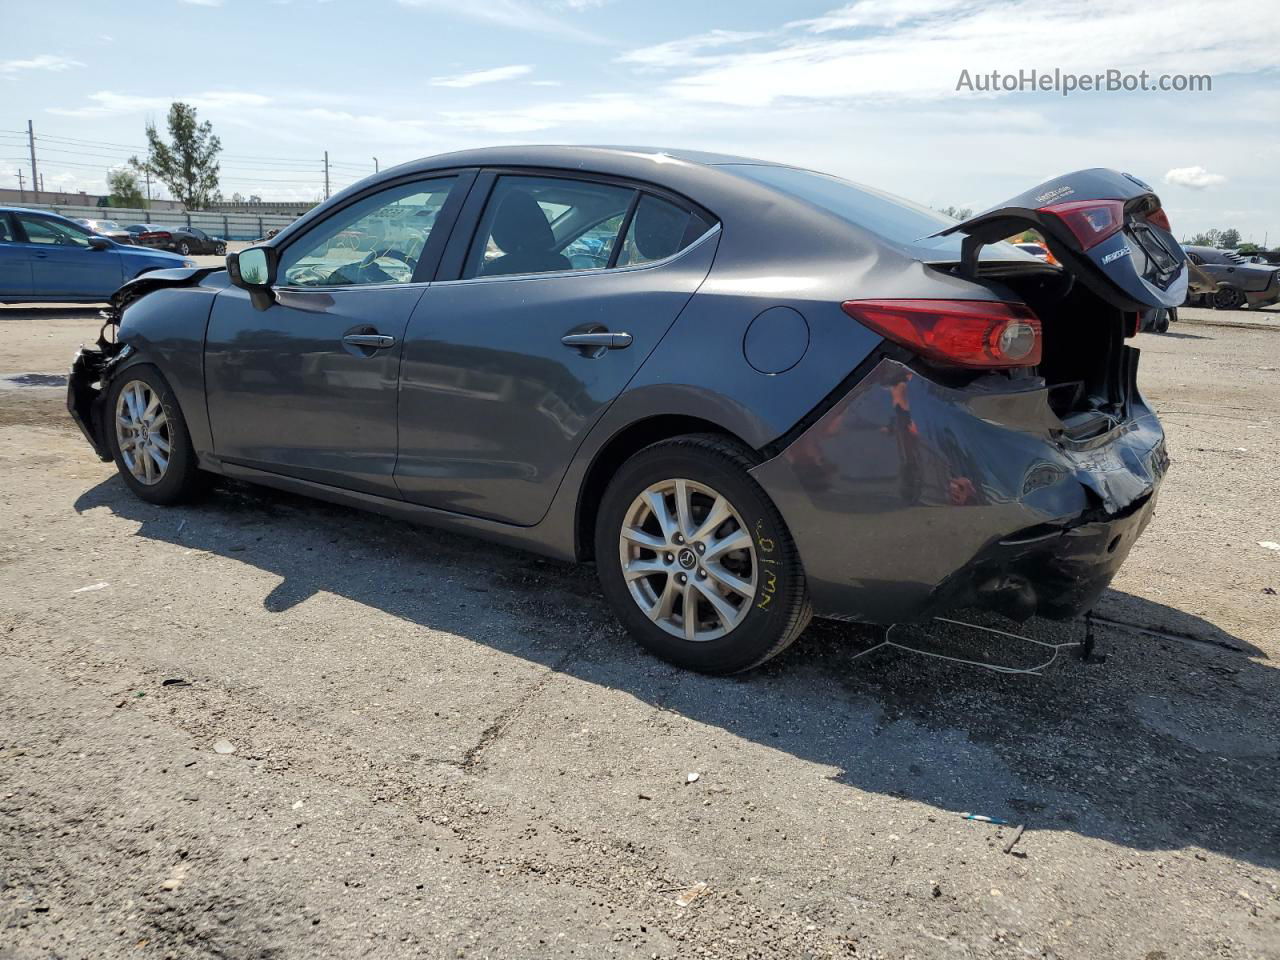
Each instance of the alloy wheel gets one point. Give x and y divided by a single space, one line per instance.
142 432
1228 298
688 559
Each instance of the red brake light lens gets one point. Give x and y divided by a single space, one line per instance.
1090 221
1159 218
984 334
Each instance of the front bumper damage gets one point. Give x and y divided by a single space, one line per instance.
86 388
909 498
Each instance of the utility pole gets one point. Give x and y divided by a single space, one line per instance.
22 190
375 164
42 183
146 172
326 174
31 142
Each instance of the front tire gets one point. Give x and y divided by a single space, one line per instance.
148 437
184 248
695 559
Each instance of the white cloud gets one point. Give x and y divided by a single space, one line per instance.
1197 178
45 61
478 77
106 103
877 13
688 51
922 47
519 15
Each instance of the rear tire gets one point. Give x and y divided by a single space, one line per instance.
1229 298
148 438
743 580
184 248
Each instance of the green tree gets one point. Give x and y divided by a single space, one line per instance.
123 188
188 165
1209 238
1249 248
1230 238
958 213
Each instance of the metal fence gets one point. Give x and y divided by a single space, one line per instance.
229 226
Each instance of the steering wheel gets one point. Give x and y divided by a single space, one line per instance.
392 254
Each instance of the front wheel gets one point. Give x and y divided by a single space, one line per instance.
148 437
695 559
184 248
220 250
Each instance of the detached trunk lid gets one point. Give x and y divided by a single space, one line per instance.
1105 227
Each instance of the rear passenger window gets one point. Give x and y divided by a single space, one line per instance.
658 230
6 231
547 225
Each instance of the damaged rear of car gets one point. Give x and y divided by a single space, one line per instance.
995 451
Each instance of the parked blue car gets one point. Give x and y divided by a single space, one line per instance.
51 259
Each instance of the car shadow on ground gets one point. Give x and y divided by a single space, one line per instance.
1173 742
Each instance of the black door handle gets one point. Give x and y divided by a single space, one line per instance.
370 341
610 341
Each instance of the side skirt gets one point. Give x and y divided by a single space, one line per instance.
535 539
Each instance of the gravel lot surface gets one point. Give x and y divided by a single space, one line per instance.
261 727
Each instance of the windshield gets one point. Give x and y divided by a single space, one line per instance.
900 222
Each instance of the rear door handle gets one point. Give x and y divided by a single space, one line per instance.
610 341
370 341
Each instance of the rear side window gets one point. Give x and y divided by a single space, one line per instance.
658 230
6 229
547 225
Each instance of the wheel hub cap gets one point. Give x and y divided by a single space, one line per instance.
688 559
142 432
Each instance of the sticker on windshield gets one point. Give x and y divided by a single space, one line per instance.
1116 254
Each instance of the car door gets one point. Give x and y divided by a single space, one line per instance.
63 264
15 262
306 385
566 286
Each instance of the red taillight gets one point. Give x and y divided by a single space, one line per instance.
1090 221
1159 218
964 333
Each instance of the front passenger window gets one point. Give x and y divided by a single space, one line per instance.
40 230
376 240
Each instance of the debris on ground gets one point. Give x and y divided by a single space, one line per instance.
1013 841
692 778
176 682
1268 544
983 818
102 585
687 897
224 746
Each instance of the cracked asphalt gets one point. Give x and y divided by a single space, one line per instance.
442 748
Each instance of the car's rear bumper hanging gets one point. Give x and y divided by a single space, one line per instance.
909 498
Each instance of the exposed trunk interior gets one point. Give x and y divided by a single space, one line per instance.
1085 363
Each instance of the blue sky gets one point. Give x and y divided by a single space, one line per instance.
865 89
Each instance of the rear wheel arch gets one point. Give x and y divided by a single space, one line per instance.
617 450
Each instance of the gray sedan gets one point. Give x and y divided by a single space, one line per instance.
751 393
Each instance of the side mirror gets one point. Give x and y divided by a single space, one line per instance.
99 243
253 269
